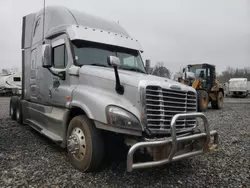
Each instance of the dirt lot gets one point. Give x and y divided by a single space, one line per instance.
28 159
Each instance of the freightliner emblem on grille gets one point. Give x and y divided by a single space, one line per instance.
175 87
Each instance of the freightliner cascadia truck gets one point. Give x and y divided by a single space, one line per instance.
84 76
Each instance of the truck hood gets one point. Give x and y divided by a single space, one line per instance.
131 78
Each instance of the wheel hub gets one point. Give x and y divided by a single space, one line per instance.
73 144
204 102
220 99
77 144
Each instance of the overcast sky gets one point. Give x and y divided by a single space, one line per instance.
176 32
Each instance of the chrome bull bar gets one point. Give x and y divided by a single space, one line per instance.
174 140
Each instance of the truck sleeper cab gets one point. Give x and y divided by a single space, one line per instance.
83 76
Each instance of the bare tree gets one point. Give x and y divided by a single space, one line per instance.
234 73
5 71
161 70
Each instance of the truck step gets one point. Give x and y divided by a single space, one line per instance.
45 132
52 136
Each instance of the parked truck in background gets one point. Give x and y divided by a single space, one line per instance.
86 77
238 87
10 84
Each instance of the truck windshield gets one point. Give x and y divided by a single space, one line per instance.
89 53
198 70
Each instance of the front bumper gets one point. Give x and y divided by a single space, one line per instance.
174 141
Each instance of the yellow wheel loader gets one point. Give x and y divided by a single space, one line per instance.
202 77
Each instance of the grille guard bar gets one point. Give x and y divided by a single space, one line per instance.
174 141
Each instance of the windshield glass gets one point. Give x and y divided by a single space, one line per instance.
89 53
198 70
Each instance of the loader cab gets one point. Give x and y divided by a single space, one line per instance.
204 71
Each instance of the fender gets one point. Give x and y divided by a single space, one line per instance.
93 101
81 105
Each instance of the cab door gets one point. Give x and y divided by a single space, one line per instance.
59 90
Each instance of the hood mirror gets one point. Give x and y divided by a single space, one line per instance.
114 61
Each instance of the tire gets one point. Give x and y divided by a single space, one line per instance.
19 112
83 134
202 100
218 103
13 107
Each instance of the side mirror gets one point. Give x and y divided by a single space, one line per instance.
114 61
46 56
47 62
147 66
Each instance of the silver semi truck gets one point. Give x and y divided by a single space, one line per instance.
83 76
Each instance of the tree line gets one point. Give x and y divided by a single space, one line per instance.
234 73
161 70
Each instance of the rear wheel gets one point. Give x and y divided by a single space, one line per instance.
13 107
19 112
218 103
84 144
202 100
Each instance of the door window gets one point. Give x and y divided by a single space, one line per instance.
60 57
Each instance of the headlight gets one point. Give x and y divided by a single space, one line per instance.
119 117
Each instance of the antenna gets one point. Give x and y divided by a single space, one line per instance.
43 17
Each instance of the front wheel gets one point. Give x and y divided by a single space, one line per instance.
218 103
84 144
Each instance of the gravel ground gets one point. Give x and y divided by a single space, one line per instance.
28 159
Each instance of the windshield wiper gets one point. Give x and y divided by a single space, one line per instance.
133 69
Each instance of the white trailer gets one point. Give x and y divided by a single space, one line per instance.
11 83
238 87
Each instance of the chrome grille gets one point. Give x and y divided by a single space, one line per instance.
163 104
